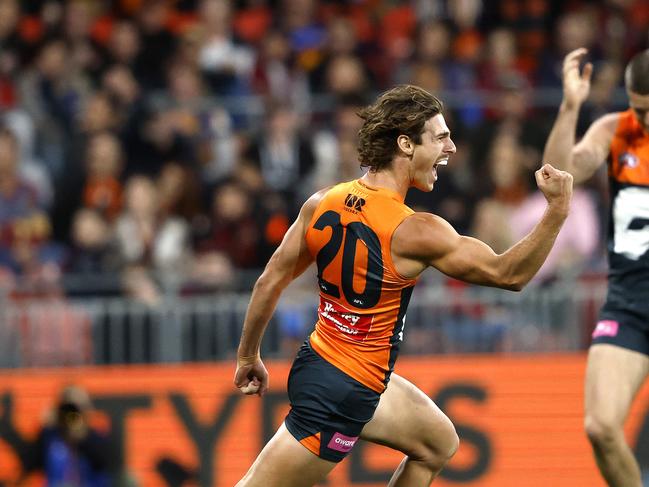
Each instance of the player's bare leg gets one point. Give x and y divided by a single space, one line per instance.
284 462
613 377
407 420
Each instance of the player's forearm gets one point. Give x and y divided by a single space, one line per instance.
558 148
264 298
520 263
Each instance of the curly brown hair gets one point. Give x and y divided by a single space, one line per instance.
403 110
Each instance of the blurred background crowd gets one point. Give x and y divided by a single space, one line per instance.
158 146
158 150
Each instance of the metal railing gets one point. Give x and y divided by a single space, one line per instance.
440 319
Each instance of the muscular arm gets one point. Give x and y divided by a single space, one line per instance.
290 260
583 159
428 240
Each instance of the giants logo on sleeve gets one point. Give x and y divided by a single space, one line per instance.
357 327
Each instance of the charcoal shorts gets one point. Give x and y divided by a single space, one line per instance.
624 326
328 408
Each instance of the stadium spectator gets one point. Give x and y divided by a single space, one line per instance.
146 237
226 64
24 226
51 93
275 75
232 226
103 190
11 51
334 145
92 252
157 44
161 76
509 187
124 44
282 153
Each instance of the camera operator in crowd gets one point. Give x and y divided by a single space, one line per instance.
68 451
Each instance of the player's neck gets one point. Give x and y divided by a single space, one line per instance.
392 179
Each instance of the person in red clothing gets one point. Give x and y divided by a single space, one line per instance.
370 248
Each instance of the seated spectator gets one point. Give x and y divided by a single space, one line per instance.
274 75
232 229
92 251
211 271
24 227
334 145
99 114
509 187
145 236
178 192
226 63
282 153
103 190
124 43
31 169
577 240
157 44
51 91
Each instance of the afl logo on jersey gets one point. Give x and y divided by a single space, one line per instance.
354 202
628 159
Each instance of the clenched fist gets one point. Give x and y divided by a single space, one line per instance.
555 185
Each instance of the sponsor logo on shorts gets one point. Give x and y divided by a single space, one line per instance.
606 328
342 443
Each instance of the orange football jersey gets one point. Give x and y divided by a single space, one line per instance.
363 299
629 153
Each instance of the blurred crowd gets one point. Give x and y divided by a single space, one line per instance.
160 144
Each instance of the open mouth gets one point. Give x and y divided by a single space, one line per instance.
439 162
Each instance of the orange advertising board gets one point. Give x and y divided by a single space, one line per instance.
519 419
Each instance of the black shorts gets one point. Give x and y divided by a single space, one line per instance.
328 407
624 326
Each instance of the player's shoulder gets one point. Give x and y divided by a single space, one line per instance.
420 232
423 220
316 198
311 204
608 123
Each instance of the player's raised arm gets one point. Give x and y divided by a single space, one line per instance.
432 241
289 261
583 159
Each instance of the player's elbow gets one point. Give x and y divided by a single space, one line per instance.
269 283
515 286
512 281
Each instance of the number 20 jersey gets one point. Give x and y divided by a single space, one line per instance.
628 247
363 299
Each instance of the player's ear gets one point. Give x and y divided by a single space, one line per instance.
406 145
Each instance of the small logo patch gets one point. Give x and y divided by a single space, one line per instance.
606 328
354 202
628 159
342 443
